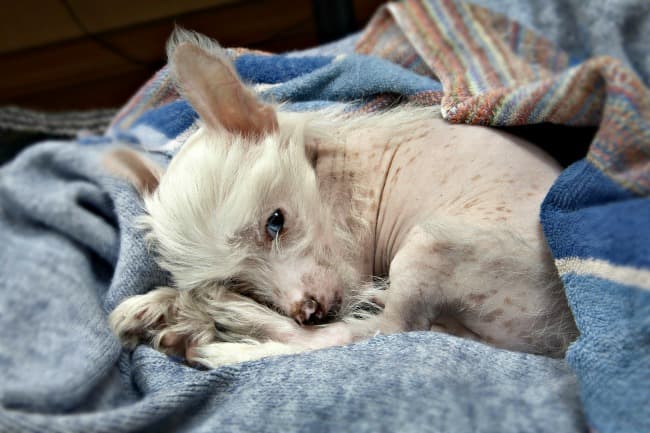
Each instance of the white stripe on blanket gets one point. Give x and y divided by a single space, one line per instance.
627 275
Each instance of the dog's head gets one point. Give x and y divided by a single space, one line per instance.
241 203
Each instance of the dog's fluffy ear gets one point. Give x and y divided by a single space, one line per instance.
209 82
128 164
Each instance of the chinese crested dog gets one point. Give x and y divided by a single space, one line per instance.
285 232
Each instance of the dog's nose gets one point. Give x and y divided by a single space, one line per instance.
309 312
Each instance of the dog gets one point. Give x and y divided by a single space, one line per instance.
285 232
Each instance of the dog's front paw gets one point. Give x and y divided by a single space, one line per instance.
140 318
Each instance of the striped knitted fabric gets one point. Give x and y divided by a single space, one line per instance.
67 123
494 72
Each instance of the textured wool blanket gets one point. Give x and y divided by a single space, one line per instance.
69 251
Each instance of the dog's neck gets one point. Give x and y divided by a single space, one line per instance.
352 176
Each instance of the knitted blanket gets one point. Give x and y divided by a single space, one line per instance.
70 251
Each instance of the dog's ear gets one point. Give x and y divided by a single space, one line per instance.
208 80
128 164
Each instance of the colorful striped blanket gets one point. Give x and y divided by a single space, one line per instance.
70 251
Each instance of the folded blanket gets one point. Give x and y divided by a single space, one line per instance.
70 252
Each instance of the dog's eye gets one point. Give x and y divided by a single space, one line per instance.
275 224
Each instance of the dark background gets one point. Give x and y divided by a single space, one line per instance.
81 54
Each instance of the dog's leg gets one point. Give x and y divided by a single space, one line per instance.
300 340
217 354
168 319
475 283
214 355
213 326
141 318
249 331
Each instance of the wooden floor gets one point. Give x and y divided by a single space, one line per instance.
101 63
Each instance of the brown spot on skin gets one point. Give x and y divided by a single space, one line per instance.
441 247
478 297
493 291
350 222
477 177
492 315
509 324
507 300
467 251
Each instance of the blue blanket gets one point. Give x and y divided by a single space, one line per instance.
69 251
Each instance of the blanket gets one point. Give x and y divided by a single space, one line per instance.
70 252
